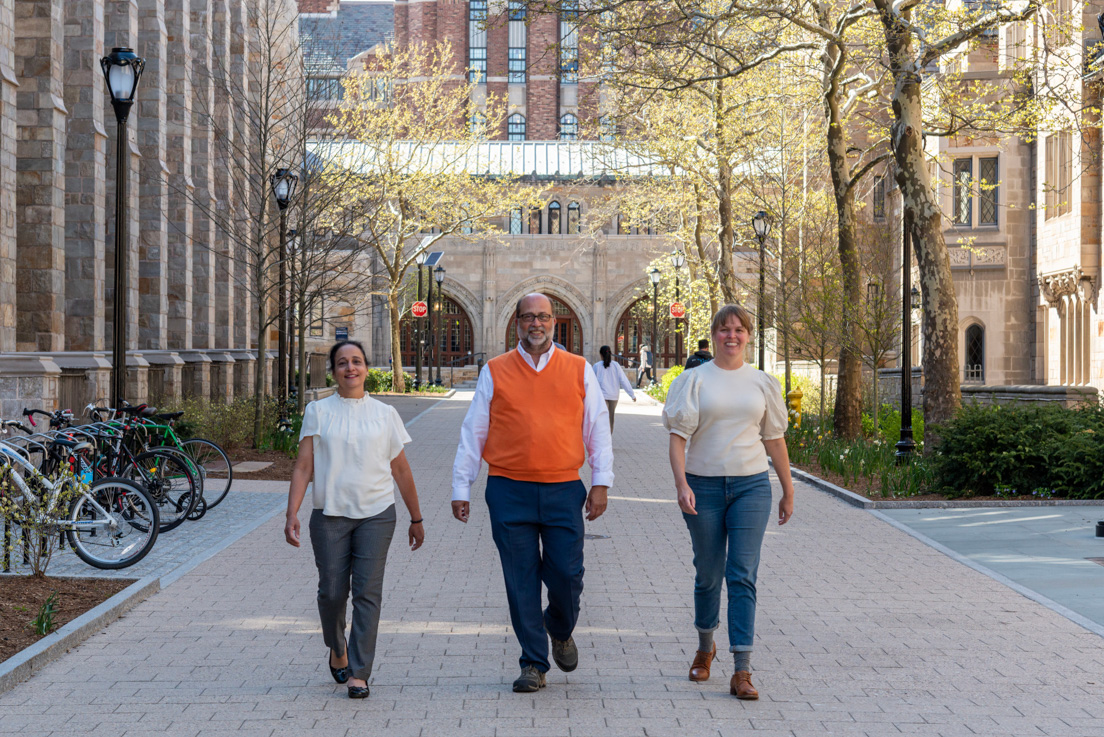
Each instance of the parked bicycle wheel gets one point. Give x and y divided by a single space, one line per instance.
113 526
216 470
170 484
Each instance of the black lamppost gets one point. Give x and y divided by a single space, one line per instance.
654 274
906 445
289 312
419 260
677 260
283 188
762 226
121 69
439 277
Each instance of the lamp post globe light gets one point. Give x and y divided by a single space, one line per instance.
654 275
284 183
122 69
419 260
762 225
439 277
677 260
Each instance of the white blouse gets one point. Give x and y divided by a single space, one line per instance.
612 380
725 415
355 441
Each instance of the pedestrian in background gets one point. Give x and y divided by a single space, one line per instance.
645 365
612 379
535 411
351 447
700 356
725 417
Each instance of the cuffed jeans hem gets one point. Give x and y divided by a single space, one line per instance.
741 649
704 630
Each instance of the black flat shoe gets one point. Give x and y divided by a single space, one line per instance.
341 675
358 692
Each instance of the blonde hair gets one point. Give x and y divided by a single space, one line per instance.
728 312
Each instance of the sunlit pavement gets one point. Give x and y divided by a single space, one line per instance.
862 630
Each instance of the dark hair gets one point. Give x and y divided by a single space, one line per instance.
606 354
703 344
341 344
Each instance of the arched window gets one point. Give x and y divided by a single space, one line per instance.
515 221
554 222
534 221
607 129
515 127
569 127
479 125
975 353
574 223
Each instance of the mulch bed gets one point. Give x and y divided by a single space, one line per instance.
21 597
871 489
280 470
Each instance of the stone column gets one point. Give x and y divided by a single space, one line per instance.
153 198
85 175
491 340
203 224
242 308
178 159
8 153
40 177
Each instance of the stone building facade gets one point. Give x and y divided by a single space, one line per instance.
188 329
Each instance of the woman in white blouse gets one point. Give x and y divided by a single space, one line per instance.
351 446
612 379
732 417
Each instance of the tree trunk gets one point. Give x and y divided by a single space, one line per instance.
726 273
301 400
942 391
260 370
398 383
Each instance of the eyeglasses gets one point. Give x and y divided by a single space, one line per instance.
529 317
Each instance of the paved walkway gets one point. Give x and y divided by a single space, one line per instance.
862 630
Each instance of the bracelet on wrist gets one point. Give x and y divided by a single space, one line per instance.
416 521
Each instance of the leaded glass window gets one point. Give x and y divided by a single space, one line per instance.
988 190
963 191
554 225
975 353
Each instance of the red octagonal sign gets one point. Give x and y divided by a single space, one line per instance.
677 310
419 309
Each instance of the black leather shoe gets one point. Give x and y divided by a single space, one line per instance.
358 692
341 675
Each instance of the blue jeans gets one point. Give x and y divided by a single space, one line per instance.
727 533
538 529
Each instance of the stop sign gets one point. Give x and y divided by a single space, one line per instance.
677 310
418 309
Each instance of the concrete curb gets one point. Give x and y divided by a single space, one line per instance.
862 502
25 663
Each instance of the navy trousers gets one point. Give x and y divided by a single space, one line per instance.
538 529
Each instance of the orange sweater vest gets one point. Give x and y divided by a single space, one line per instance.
536 419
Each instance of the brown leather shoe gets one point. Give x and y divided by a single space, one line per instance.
741 687
699 669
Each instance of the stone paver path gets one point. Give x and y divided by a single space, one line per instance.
862 630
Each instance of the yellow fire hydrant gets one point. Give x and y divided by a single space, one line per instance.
794 400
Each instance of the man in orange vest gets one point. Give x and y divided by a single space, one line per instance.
538 413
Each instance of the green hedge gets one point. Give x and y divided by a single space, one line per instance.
1027 449
659 391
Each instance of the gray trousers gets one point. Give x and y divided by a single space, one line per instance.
611 405
351 550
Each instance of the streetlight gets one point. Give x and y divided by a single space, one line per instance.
654 274
121 69
906 445
289 312
677 260
283 188
420 260
762 226
439 276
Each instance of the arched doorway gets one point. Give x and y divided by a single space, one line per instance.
635 328
455 335
568 331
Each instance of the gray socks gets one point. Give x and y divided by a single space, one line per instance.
743 660
705 641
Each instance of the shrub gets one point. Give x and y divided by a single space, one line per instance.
379 380
230 425
889 424
659 391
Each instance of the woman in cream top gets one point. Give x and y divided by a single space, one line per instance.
351 446
724 418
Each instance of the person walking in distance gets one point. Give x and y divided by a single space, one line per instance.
351 447
700 356
535 411
612 379
731 417
645 365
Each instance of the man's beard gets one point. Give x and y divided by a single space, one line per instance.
531 343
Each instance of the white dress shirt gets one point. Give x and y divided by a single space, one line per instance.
473 433
612 380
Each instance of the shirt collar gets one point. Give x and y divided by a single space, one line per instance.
542 359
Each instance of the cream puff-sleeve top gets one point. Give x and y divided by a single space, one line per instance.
725 415
355 441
